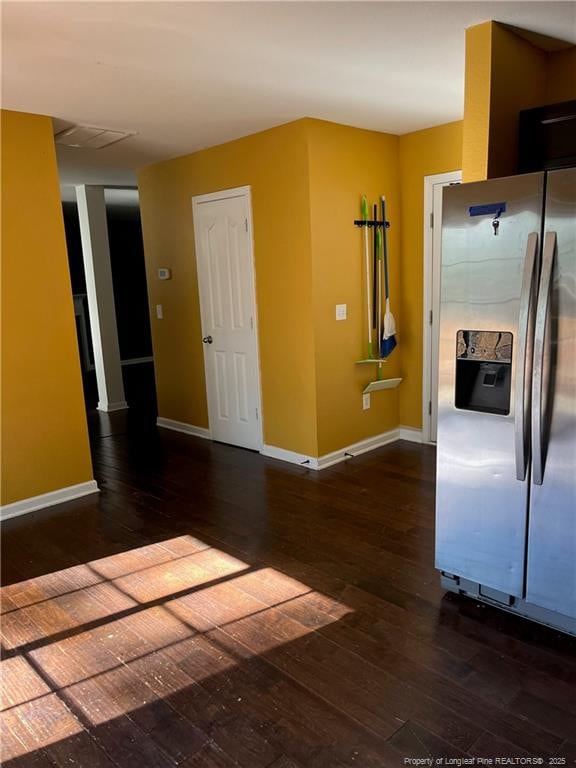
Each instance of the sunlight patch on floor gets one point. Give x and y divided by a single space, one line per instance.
107 638
61 608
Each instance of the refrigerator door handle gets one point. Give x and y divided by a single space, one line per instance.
525 324
538 448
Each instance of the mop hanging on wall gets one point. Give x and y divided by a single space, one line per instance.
387 341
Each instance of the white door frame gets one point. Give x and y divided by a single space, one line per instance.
226 194
431 297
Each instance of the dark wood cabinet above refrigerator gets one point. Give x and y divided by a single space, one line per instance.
547 137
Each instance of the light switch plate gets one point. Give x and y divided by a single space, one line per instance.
366 401
159 312
164 273
341 311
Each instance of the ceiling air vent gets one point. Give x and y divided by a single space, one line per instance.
89 137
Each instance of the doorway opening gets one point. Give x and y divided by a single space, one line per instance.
433 190
127 307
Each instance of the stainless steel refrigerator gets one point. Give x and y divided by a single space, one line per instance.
506 471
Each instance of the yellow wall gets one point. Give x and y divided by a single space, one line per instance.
306 179
275 164
561 76
344 163
476 125
44 436
423 153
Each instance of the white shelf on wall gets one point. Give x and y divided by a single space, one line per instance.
380 383
374 386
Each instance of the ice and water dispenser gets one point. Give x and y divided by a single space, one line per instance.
483 371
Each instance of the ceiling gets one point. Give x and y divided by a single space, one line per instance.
188 75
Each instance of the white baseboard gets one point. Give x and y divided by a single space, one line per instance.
309 462
411 434
329 459
34 503
363 446
182 426
301 459
121 405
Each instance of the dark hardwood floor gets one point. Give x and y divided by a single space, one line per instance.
213 608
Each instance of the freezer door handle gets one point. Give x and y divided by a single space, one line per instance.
525 325
538 427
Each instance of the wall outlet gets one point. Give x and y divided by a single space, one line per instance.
159 312
164 273
366 401
341 311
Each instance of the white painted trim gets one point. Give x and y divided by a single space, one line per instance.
182 426
121 405
428 300
136 360
303 460
329 459
23 507
248 192
356 449
100 294
226 194
411 434
308 462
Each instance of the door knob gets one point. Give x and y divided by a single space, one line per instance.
207 339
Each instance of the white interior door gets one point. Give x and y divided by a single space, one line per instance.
223 237
433 188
